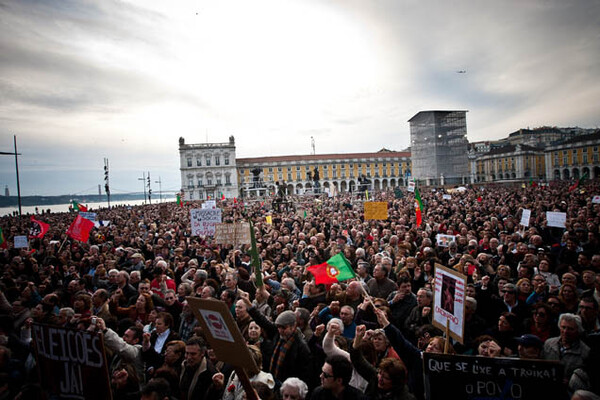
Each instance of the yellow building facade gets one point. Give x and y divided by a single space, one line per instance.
337 172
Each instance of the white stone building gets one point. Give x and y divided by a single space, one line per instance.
208 170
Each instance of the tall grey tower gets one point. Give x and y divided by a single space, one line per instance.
439 147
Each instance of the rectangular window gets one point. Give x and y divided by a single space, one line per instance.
199 182
189 162
289 176
198 162
218 181
208 160
217 160
209 181
298 176
227 179
226 158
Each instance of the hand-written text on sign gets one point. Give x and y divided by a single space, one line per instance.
376 210
71 362
491 378
203 221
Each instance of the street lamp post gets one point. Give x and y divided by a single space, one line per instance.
16 154
143 179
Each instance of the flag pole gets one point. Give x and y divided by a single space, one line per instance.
447 341
62 244
367 296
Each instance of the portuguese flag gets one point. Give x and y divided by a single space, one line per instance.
418 207
179 201
3 243
336 269
78 206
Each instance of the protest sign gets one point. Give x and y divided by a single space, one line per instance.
209 204
449 301
21 242
596 199
222 333
473 378
72 363
203 221
376 210
556 219
525 217
88 215
235 234
444 240
411 187
447 196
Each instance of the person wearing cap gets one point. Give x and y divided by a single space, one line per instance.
291 355
529 346
137 262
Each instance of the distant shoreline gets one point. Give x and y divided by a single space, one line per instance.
12 201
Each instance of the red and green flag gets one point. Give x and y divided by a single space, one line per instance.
532 183
78 206
179 201
418 207
3 243
336 269
255 260
577 182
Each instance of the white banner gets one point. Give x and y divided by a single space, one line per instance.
21 242
525 217
556 219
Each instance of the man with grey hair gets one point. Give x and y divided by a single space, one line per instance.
568 347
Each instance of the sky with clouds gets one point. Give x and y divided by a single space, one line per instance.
84 80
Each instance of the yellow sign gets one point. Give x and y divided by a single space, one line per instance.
269 219
376 210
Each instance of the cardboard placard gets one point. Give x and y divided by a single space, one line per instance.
235 234
491 378
71 362
596 199
411 187
203 221
222 333
376 210
449 301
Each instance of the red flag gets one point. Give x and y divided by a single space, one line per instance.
38 228
80 229
479 199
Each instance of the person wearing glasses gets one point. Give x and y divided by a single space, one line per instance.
588 311
335 378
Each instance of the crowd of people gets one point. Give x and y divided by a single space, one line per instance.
532 292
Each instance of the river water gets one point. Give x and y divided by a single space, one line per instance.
58 208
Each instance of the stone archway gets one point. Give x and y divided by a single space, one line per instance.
343 186
576 173
566 173
299 188
556 174
352 186
596 172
